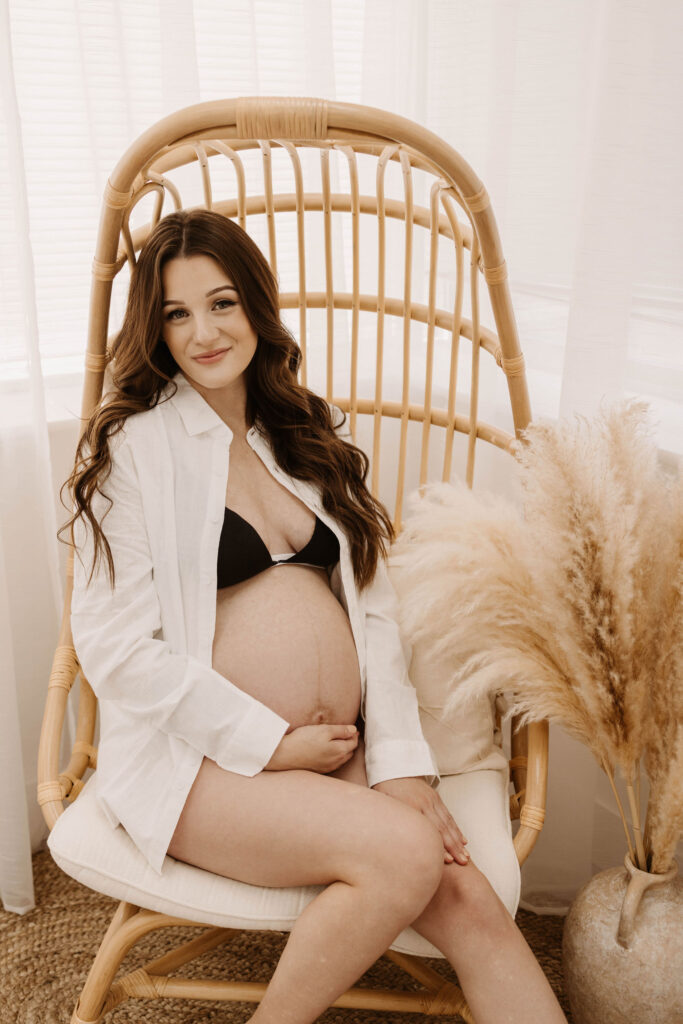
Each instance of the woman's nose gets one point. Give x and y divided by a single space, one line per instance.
204 328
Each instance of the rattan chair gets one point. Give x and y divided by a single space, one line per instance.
389 348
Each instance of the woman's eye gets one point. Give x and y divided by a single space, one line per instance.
226 303
172 314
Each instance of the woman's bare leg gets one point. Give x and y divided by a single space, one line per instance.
465 919
380 860
502 980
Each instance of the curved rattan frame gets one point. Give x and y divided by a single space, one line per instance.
228 127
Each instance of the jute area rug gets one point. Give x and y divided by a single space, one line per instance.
46 954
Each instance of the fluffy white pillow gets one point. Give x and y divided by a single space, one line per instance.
466 739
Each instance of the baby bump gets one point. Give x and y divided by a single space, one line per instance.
283 637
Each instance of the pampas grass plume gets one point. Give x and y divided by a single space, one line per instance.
576 601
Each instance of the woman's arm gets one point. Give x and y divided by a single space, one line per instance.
113 635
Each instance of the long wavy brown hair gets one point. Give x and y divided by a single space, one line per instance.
297 422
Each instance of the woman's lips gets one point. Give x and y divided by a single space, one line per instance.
211 358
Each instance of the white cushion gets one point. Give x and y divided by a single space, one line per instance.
86 847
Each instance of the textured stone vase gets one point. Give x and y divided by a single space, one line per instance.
622 948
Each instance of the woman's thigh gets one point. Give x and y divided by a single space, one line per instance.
295 827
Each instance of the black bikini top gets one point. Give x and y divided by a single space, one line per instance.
242 553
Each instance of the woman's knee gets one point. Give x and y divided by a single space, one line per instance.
405 852
465 891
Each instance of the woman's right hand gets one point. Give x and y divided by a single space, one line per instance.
318 748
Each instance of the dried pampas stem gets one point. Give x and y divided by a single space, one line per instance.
647 833
638 787
635 822
608 772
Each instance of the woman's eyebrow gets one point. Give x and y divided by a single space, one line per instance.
179 302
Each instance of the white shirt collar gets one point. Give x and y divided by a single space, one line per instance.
195 412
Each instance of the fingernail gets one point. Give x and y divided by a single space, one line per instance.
449 857
351 728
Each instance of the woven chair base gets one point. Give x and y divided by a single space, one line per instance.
101 994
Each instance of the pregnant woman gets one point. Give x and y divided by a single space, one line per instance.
240 632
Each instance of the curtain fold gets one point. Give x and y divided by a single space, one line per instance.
570 113
16 878
31 593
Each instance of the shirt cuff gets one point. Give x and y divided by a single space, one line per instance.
397 759
249 748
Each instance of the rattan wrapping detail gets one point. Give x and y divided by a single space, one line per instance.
96 362
448 998
104 271
520 761
64 668
479 201
61 682
268 117
496 275
114 198
511 367
532 816
48 791
139 985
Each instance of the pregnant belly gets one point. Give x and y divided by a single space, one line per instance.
283 637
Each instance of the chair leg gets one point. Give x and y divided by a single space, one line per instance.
88 996
128 924
446 997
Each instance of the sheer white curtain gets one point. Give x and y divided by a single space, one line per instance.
569 111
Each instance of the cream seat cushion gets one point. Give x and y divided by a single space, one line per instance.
105 859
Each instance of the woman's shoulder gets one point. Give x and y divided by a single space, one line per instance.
135 439
141 425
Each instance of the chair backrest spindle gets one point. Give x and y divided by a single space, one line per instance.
269 203
407 324
329 270
387 153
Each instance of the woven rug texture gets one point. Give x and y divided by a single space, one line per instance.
45 956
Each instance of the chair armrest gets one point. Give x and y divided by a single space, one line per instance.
532 812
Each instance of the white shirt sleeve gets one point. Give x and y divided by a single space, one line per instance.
123 660
395 746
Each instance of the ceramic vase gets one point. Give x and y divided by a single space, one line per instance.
622 948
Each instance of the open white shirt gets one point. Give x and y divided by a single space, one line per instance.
146 647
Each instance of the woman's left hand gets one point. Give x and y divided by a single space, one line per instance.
417 792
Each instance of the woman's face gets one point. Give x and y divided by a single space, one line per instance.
202 314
